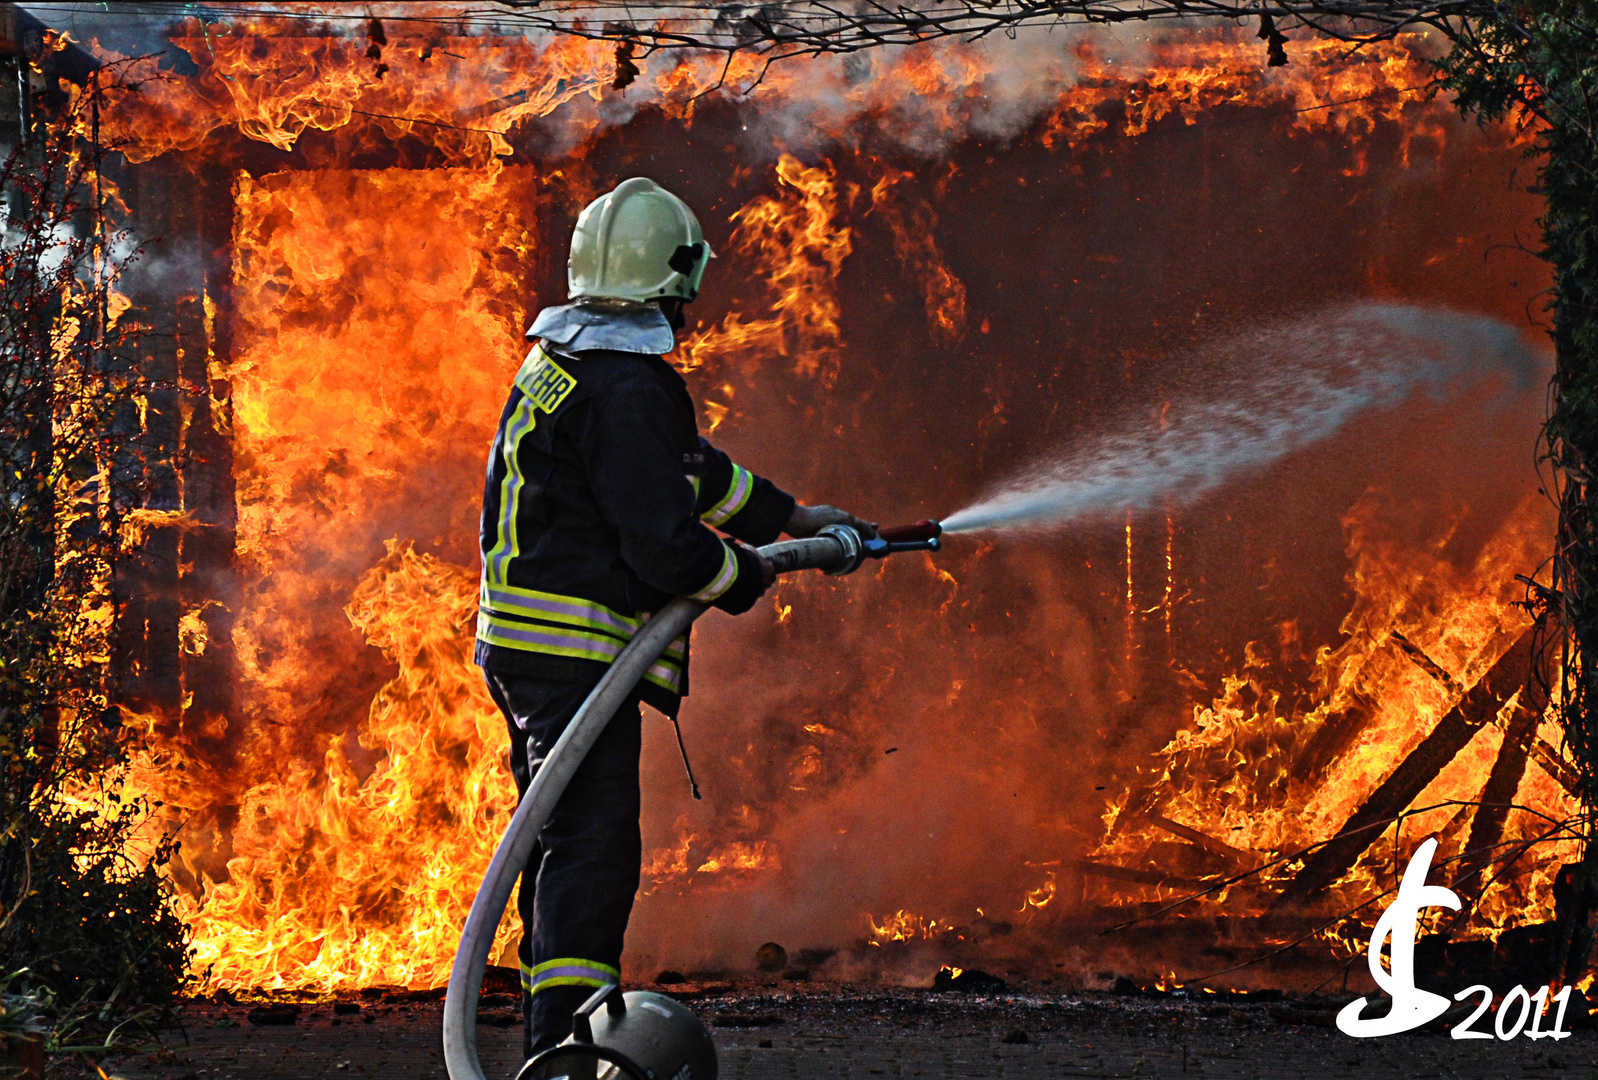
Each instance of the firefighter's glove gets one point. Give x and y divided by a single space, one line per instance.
755 576
808 520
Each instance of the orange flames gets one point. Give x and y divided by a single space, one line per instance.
799 244
462 96
344 864
1320 88
337 878
675 865
1228 785
333 837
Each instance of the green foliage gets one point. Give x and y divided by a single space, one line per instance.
1538 62
84 912
99 933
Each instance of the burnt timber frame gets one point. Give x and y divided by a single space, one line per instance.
1479 706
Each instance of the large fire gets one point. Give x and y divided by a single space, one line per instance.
932 262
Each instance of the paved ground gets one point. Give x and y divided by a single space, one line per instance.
837 1032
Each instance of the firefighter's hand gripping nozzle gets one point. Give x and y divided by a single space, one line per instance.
636 1032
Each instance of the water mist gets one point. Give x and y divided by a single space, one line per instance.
1289 385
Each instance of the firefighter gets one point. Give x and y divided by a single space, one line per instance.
598 509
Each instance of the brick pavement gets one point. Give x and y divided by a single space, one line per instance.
852 1032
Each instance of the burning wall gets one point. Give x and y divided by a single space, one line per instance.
933 264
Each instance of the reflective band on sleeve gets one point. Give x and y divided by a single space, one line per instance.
668 679
738 492
722 581
568 971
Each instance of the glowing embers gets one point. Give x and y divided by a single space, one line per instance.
907 926
1041 896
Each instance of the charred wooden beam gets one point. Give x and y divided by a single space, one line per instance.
1520 745
33 63
1204 841
1479 706
1555 765
1520 734
1336 734
1549 759
1426 663
1139 804
208 583
1136 876
146 478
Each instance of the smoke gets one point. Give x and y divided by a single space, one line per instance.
1295 384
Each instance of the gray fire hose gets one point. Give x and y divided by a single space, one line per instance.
838 549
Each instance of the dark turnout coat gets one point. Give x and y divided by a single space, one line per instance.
598 509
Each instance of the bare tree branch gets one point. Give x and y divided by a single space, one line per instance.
811 27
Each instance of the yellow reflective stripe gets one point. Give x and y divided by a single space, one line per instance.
538 637
573 610
566 980
665 678
522 421
572 961
738 492
722 581
568 971
568 610
694 480
544 385
667 670
582 644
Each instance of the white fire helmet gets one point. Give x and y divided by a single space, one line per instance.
640 243
636 1036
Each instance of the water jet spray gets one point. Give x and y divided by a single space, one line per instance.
1286 386
836 550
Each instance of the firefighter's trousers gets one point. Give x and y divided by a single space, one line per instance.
578 885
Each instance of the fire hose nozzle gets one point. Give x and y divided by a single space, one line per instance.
922 536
